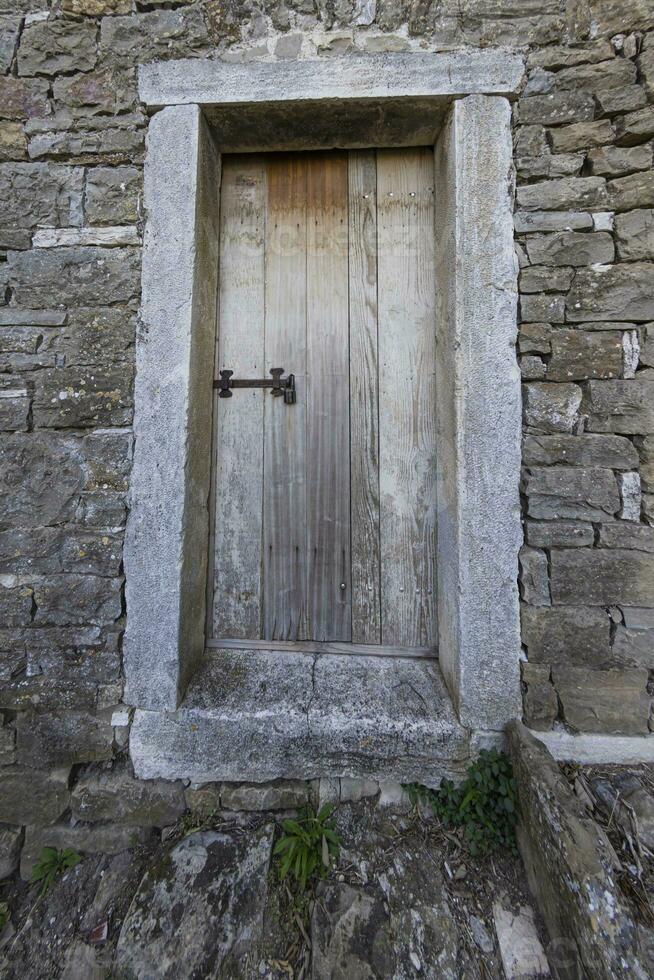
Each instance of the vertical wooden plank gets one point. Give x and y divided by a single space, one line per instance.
239 420
364 402
328 420
407 420
285 507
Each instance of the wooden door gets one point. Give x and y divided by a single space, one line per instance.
325 510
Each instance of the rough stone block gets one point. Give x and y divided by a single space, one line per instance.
551 407
537 308
83 396
63 739
630 493
581 136
115 796
633 191
597 77
578 355
530 221
22 98
47 693
638 537
570 248
565 635
534 579
614 702
615 101
9 32
550 165
534 338
45 277
152 36
40 194
635 235
14 405
11 840
622 406
634 648
545 278
289 794
57 45
32 795
635 126
13 141
563 194
618 292
69 599
15 605
7 744
105 90
615 161
573 492
123 142
112 195
601 577
563 56
555 108
539 700
532 368
530 141
96 8
51 550
89 839
559 534
646 455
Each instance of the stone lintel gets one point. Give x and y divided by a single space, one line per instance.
256 716
364 78
478 414
168 526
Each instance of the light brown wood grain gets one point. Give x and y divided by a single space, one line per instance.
407 417
239 420
364 400
328 399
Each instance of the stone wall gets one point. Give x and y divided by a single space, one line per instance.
71 150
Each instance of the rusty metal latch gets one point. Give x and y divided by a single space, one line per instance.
279 385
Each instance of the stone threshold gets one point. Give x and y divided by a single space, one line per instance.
255 716
598 749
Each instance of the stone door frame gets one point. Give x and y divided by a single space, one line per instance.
478 381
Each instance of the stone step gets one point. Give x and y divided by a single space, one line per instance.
259 715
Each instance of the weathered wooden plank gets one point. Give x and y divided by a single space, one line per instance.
285 506
239 420
364 402
311 647
407 421
328 417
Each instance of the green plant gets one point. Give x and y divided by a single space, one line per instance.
308 846
4 915
484 806
51 864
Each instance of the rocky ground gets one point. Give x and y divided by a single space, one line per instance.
205 900
621 801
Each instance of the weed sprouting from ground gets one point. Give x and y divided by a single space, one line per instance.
51 864
308 846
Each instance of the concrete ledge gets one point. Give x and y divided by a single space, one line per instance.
603 749
251 716
382 76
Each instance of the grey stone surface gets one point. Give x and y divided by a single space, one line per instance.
551 407
572 492
544 307
22 98
32 796
612 701
582 135
479 660
634 648
11 840
552 221
9 33
112 195
520 947
46 277
559 534
570 867
633 191
40 194
635 126
622 406
614 161
578 355
148 36
635 234
285 794
556 108
170 481
566 193
105 90
63 738
640 537
570 248
372 76
617 292
602 577
13 142
585 449
303 717
564 635
201 909
534 580
117 797
57 45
